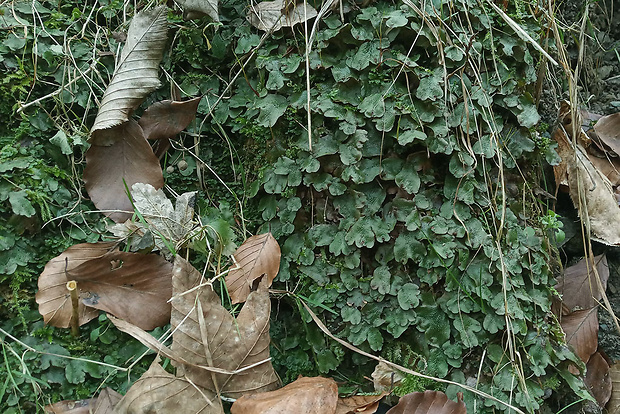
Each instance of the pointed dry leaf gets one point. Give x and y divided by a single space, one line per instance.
194 9
205 333
597 378
128 161
53 297
608 130
600 201
578 287
613 406
581 329
158 391
258 256
132 286
169 225
136 73
427 402
165 119
274 15
359 404
303 396
385 378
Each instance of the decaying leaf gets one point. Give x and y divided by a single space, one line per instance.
581 329
303 396
103 404
597 378
274 15
194 9
613 406
385 378
359 404
205 333
600 201
165 119
427 402
128 160
135 75
53 297
608 130
132 286
71 407
258 256
158 391
578 286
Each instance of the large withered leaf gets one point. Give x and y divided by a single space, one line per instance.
608 130
427 402
597 378
274 15
135 75
165 119
53 297
205 333
579 288
581 329
194 9
303 396
257 256
132 286
158 391
583 178
129 160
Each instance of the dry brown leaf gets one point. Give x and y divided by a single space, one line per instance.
194 9
427 402
53 297
386 378
597 378
103 404
257 256
608 130
71 407
128 160
613 406
584 179
158 391
165 119
579 288
274 15
132 286
136 73
304 396
205 333
359 404
581 329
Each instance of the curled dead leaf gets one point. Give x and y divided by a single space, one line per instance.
359 404
385 378
304 396
136 73
258 256
273 15
608 130
53 297
194 9
103 404
428 402
165 119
